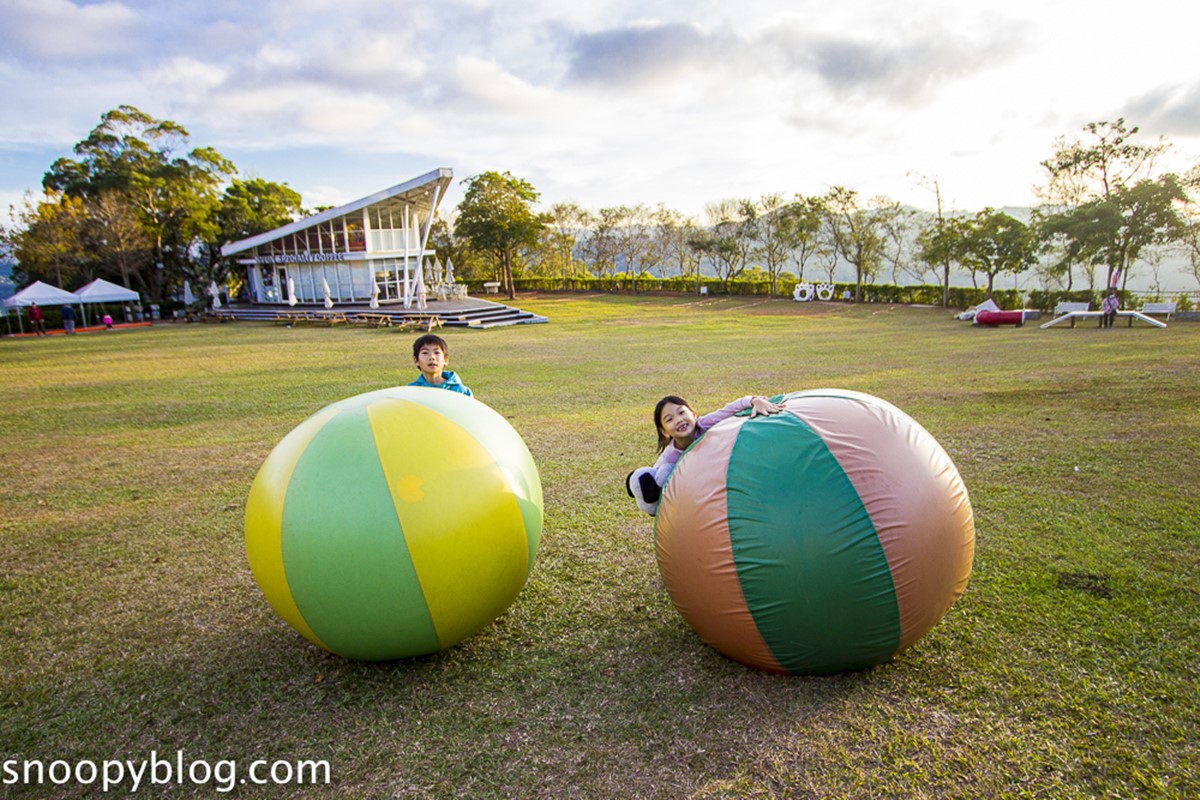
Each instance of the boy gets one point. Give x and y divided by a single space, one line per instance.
431 354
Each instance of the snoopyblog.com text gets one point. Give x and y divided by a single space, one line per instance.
160 770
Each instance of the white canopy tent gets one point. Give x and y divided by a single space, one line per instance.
43 294
102 291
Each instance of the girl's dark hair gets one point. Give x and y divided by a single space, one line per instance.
663 439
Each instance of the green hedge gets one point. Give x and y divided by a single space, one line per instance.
960 297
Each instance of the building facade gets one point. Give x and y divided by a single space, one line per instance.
372 249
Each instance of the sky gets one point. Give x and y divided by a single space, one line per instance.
608 102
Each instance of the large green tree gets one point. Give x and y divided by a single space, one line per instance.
146 163
255 206
246 208
994 243
497 216
942 245
1084 177
1116 230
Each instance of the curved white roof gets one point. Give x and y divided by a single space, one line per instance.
420 193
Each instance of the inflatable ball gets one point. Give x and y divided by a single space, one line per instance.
826 538
395 523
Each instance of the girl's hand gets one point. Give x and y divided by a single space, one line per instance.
761 405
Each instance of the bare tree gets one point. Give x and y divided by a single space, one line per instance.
857 233
804 216
600 247
775 233
728 241
631 238
568 222
120 236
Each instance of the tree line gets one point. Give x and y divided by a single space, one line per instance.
137 205
1107 212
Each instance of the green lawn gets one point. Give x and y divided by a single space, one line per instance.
130 623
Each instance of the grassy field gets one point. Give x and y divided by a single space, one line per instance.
130 622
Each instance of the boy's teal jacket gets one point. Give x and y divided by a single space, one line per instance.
450 381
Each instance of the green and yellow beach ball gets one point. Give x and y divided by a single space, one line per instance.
395 523
826 538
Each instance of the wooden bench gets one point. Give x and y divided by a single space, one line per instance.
1167 308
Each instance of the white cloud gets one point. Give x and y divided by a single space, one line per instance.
56 30
376 59
484 86
613 101
187 79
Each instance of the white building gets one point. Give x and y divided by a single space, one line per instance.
374 245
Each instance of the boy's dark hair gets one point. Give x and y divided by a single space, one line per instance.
663 439
430 338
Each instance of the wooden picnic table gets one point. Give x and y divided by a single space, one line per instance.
417 321
290 316
330 318
372 320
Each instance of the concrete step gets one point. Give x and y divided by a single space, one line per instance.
490 316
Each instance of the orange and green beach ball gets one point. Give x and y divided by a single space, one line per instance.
825 538
395 523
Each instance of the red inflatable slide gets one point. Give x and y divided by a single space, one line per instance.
1000 318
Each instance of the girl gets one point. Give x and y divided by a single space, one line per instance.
678 427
